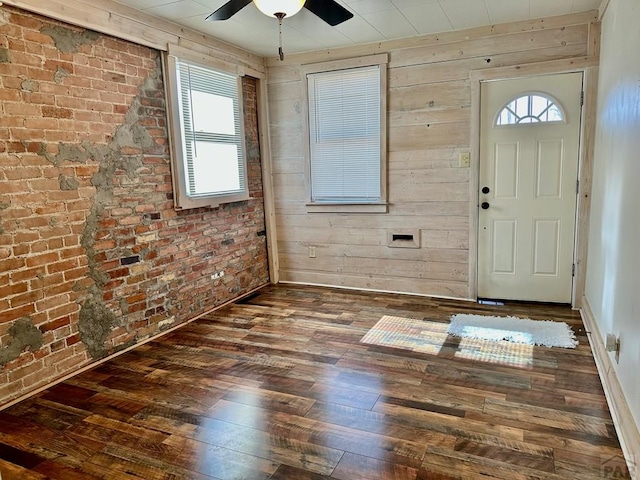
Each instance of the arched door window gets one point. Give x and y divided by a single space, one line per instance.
530 108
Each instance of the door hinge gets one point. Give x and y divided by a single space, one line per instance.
577 187
582 98
573 270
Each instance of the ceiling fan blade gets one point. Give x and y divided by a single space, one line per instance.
328 10
228 10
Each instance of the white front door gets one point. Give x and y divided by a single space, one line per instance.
529 146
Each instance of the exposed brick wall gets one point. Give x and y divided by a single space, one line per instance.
93 257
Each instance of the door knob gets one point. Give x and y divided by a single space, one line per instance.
485 190
484 205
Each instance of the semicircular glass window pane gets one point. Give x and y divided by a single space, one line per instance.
530 108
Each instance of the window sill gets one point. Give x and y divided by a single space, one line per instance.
187 203
347 207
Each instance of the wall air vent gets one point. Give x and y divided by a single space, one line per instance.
403 238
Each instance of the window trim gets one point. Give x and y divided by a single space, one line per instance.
181 200
380 60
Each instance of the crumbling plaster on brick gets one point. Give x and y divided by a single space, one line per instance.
3 206
60 75
93 248
96 320
95 324
22 334
68 40
68 183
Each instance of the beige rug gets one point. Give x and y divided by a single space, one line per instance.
408 334
427 337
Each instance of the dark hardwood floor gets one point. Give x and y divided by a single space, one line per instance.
279 387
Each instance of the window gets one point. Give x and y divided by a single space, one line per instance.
347 136
530 108
207 135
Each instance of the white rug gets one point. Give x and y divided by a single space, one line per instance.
513 329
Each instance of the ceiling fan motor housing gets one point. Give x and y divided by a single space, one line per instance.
279 8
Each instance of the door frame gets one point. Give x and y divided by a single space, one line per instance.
588 66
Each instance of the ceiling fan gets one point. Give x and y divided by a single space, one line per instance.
328 10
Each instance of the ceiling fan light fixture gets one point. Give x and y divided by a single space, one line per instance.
272 8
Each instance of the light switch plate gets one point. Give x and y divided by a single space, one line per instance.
464 159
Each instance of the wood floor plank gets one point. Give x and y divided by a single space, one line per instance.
280 386
381 446
548 416
221 463
359 467
287 472
11 471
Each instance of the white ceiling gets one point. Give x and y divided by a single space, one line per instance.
373 20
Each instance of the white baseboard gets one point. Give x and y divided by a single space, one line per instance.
623 420
372 290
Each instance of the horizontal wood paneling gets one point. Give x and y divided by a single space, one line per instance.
293 61
459 70
478 47
429 125
375 251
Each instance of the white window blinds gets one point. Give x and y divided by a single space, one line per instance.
344 135
212 141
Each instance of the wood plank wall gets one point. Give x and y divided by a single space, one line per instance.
429 100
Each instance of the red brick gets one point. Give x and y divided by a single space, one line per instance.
56 112
14 289
71 363
78 205
66 287
62 266
57 136
15 313
55 243
39 378
64 310
28 199
26 274
136 298
11 390
105 245
26 298
71 103
40 99
33 222
11 264
72 252
75 273
73 339
62 195
9 95
49 209
43 259
55 324
37 37
40 184
26 21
